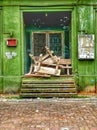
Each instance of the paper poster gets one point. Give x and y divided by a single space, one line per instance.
86 46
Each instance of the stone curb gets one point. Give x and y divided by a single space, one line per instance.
93 99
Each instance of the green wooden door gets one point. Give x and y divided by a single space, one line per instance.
27 51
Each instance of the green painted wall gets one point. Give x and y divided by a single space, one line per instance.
1 85
84 18
12 66
86 68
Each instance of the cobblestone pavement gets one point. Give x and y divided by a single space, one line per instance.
48 114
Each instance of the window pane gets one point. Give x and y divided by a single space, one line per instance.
56 43
39 43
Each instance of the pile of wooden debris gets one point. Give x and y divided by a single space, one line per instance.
47 65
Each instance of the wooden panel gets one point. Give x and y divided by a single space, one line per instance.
86 67
65 61
48 70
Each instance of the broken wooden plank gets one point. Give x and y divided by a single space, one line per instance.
65 61
48 61
57 64
54 58
35 75
33 58
46 56
47 70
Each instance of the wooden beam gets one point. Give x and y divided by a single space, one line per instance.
47 70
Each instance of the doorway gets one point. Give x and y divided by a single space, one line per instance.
52 29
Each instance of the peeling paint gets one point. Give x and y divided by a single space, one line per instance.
10 55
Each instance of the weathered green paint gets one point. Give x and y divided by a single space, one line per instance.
74 41
86 68
1 83
11 67
11 85
36 3
87 83
84 20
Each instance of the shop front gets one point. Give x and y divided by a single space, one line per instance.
68 28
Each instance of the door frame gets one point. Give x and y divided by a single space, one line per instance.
48 9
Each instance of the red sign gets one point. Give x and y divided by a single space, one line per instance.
11 42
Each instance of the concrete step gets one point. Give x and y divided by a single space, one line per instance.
43 87
48 95
48 90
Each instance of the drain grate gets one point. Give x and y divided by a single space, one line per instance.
65 128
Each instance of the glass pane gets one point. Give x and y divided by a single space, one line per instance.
39 43
55 43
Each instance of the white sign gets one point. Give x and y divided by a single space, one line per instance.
86 46
10 55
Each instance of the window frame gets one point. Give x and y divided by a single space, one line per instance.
48 40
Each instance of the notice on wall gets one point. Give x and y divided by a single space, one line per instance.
10 55
86 46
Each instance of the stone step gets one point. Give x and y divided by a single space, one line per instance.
47 95
47 82
48 90
51 79
48 87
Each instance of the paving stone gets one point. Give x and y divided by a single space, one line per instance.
48 114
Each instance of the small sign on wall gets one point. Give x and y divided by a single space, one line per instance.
86 46
12 42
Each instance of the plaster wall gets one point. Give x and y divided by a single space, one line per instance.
11 70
